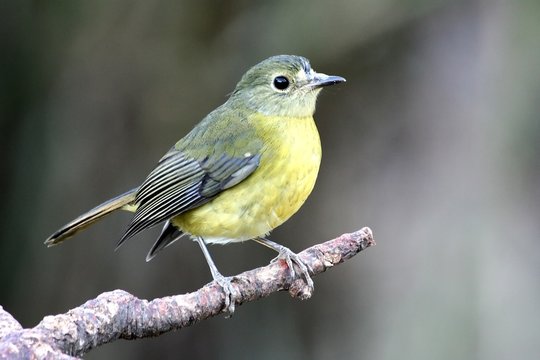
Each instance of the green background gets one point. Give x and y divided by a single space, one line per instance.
433 142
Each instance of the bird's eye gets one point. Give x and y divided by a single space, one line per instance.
281 82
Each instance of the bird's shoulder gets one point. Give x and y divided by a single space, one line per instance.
225 131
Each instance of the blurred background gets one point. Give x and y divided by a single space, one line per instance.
433 142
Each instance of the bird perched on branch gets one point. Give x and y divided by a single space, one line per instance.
245 169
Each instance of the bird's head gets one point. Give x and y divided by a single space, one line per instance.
283 85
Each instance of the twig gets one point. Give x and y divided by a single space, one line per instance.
120 315
8 323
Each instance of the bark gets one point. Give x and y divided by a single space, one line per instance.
120 315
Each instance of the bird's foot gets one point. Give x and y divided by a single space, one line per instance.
231 294
292 258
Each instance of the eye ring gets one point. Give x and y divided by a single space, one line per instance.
281 82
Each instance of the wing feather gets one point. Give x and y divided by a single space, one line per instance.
180 183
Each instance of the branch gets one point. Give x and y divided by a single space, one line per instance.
120 315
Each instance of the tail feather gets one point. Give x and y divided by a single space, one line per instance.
82 222
169 234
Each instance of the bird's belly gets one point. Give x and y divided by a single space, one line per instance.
266 199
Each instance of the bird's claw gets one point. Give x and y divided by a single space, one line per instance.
231 294
292 258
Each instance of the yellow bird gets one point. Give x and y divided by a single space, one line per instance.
245 169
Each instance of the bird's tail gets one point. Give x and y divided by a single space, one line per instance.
124 201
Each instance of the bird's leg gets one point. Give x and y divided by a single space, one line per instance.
289 256
224 282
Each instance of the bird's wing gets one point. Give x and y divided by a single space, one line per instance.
180 183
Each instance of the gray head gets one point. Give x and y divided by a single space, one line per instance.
283 85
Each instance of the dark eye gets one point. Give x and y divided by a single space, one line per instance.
281 82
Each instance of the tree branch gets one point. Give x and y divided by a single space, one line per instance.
120 315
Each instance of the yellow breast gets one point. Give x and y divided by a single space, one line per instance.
286 175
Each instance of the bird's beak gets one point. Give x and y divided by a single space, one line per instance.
320 80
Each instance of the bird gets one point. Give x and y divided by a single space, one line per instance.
242 171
